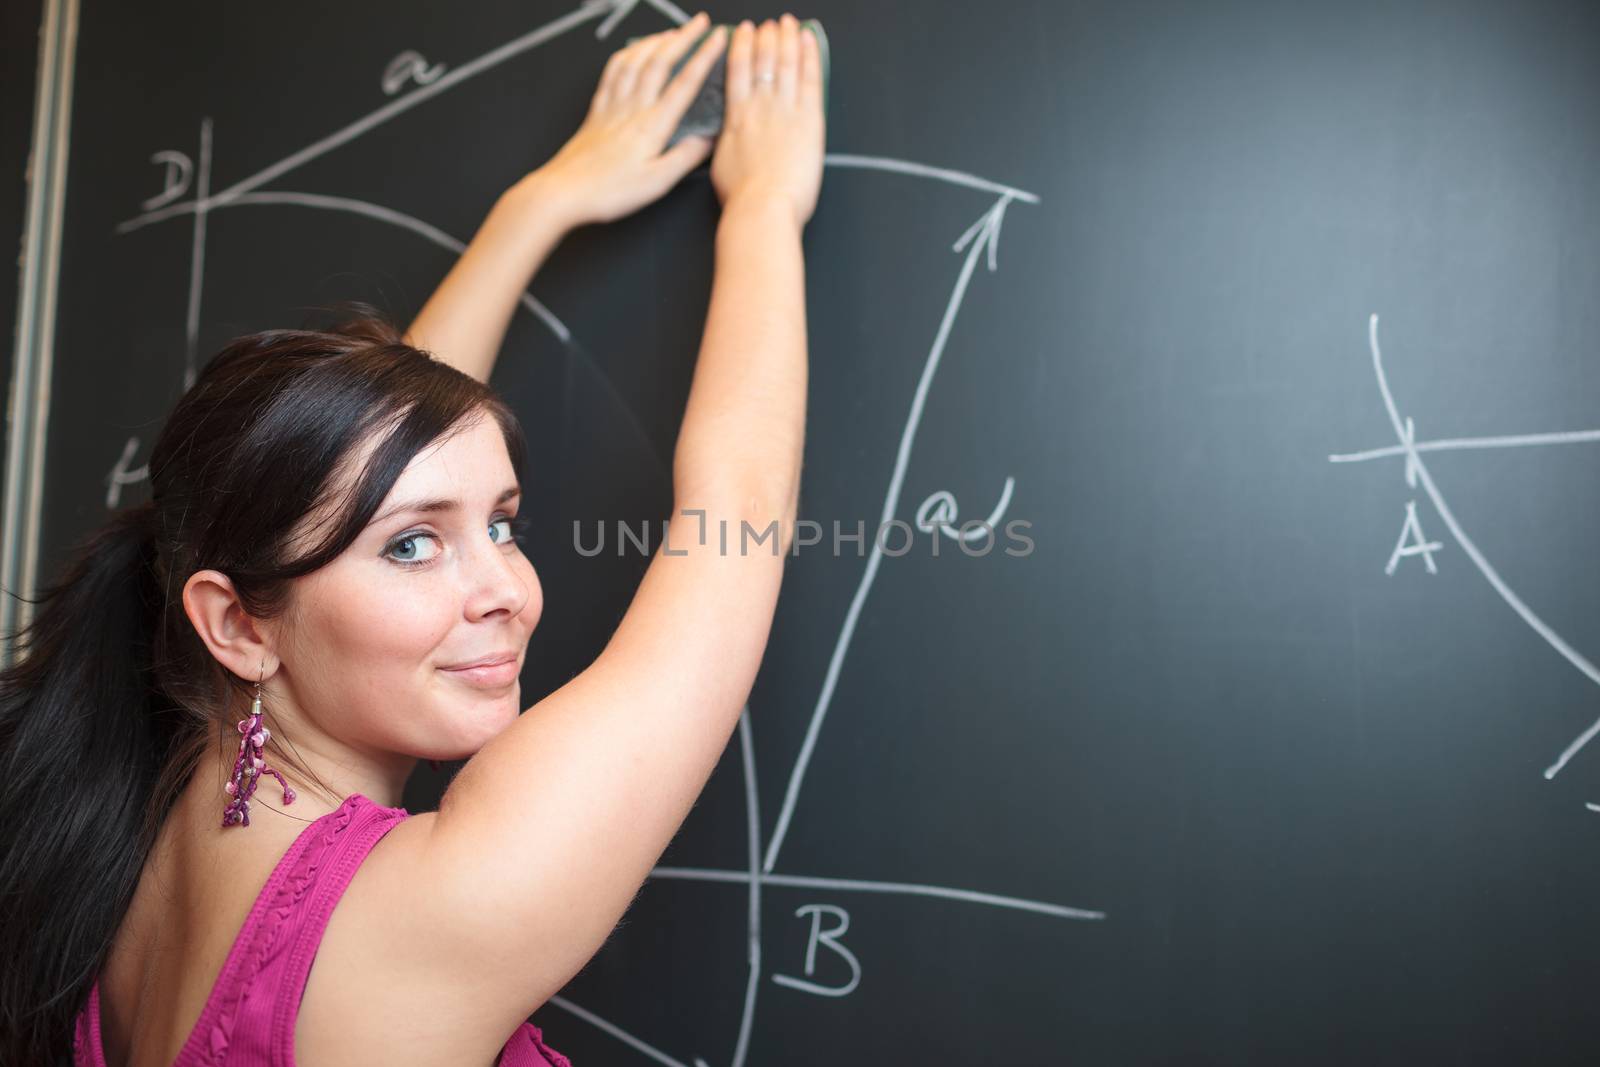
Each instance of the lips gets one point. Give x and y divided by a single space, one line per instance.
495 672
485 661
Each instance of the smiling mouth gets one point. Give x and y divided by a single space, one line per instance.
487 675
505 657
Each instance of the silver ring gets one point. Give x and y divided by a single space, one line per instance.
766 76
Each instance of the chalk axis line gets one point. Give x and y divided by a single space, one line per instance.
979 241
1416 473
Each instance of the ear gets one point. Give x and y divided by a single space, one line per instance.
234 638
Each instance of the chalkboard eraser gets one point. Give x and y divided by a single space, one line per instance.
704 117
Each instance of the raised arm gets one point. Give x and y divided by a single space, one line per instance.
548 832
465 320
610 168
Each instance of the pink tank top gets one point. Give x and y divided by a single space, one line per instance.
248 1021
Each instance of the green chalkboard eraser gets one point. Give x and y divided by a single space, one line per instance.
704 116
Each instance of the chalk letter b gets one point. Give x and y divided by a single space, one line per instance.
829 938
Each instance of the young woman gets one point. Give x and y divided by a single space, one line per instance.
204 742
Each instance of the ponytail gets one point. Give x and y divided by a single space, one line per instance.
83 738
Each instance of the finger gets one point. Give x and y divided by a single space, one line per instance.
741 52
633 59
681 158
674 44
810 88
788 56
608 79
766 60
651 49
665 170
685 85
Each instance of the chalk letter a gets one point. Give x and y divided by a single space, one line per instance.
1413 543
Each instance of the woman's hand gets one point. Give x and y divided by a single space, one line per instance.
614 164
772 130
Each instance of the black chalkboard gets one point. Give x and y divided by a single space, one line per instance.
1196 778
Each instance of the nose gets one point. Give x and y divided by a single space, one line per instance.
496 580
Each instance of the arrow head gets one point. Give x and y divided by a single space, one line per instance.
618 11
986 230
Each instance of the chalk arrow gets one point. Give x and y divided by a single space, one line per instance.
619 10
986 230
981 237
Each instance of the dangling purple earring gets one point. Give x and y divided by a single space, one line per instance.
250 765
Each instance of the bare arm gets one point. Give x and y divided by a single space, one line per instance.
584 792
465 320
552 827
612 166
744 424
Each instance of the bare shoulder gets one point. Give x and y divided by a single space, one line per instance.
406 971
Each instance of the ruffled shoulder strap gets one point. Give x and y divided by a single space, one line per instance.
250 1016
527 1048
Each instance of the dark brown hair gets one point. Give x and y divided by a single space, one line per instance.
113 696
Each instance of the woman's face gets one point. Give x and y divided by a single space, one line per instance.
370 639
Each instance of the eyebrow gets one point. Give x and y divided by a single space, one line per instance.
437 505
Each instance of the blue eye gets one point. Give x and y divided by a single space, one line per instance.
400 542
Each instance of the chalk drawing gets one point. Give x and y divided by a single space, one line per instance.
183 174
1417 473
